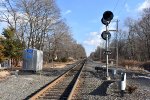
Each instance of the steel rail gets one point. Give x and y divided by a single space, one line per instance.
76 83
41 91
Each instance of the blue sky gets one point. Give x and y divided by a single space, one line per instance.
83 16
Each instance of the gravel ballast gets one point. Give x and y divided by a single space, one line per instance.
92 85
21 86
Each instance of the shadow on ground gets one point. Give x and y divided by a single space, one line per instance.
102 89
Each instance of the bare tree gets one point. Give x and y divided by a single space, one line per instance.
9 14
144 26
134 43
38 24
32 19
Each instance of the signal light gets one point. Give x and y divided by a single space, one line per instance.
105 34
104 22
108 16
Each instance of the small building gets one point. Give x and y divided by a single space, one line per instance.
32 60
5 64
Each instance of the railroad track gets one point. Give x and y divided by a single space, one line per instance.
62 87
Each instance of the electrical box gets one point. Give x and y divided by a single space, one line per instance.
32 59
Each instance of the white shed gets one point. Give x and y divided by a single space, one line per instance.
32 59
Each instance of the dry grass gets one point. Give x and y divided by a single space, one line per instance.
131 65
57 64
4 74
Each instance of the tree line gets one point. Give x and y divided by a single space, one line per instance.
37 24
133 43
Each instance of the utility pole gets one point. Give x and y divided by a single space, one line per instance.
117 43
100 53
117 55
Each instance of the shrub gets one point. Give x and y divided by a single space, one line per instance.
131 89
146 65
64 59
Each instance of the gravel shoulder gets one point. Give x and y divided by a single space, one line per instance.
19 87
92 86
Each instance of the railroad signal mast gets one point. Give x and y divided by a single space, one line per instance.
106 19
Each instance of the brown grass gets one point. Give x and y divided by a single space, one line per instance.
4 74
131 64
57 64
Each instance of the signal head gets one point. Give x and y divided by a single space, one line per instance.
108 16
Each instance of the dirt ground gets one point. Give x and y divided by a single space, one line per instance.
4 73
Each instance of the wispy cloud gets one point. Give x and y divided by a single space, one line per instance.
127 7
2 9
112 26
67 12
1 1
145 4
94 39
92 42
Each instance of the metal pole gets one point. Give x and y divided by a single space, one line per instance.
117 54
107 55
117 21
117 43
100 54
107 74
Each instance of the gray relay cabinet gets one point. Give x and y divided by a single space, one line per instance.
32 60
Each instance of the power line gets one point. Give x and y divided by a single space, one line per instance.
122 6
116 6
